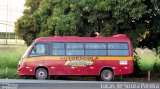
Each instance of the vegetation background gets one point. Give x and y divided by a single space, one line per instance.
139 19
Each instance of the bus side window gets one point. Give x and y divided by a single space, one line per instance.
118 49
39 50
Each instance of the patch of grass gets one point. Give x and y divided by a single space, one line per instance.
9 57
9 73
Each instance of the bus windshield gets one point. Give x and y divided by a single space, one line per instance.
26 52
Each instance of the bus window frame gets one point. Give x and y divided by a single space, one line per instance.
119 42
95 49
50 44
75 49
128 48
46 49
51 49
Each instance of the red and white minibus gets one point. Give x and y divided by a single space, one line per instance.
99 56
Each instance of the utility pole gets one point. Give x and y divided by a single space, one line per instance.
9 14
7 24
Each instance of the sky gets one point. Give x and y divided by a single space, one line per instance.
15 10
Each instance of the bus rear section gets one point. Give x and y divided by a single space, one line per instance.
103 57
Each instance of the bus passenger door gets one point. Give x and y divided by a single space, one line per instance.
37 56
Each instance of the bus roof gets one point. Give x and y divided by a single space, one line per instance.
114 38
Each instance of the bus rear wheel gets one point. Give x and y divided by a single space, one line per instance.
106 75
41 74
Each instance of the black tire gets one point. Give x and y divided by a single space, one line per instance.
41 74
106 75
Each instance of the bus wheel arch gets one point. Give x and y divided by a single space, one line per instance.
106 74
41 72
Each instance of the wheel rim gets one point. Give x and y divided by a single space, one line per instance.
107 75
41 74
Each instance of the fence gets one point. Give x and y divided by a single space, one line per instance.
10 38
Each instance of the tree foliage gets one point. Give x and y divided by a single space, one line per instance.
139 19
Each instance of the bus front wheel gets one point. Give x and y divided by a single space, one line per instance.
106 75
41 74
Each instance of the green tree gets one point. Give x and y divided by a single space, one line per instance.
139 19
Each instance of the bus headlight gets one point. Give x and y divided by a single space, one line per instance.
123 62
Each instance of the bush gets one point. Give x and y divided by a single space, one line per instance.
157 66
148 59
